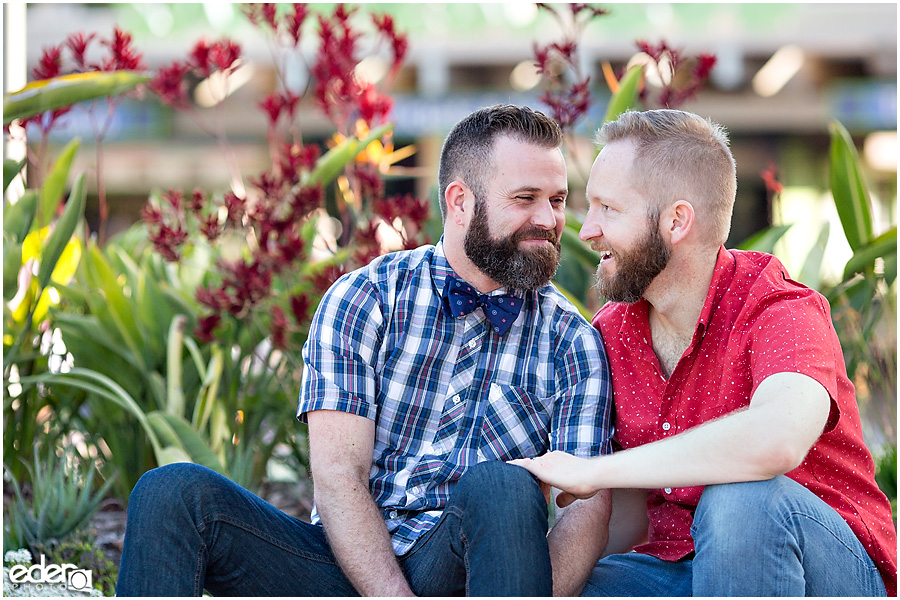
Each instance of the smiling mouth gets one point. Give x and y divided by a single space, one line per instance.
605 255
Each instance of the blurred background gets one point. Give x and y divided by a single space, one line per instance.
167 325
782 72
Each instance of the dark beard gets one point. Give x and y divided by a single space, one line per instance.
503 261
636 269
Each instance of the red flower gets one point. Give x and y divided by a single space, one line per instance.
300 307
770 177
78 44
278 328
123 56
204 331
170 84
50 63
224 53
295 21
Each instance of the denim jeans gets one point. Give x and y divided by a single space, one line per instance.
191 529
761 538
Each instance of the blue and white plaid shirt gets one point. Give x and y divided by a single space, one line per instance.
446 393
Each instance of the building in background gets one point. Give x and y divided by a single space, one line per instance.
783 72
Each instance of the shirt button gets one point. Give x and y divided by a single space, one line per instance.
456 399
472 344
393 514
666 426
668 490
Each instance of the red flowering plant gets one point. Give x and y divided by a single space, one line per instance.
66 63
274 215
280 240
231 275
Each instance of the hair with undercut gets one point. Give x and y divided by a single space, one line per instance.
680 156
468 149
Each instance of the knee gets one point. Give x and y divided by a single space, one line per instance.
726 511
163 489
497 484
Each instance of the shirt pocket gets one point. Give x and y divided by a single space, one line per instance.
515 424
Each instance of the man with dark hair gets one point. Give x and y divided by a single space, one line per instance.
425 372
740 434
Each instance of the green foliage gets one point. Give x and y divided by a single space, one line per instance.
62 499
79 551
886 475
38 254
863 302
40 96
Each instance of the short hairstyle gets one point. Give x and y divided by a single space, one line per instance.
468 149
680 155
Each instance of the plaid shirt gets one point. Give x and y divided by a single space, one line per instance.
446 393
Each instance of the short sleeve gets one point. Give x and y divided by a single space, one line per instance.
792 332
339 354
582 419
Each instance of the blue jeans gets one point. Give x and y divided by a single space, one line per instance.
761 538
191 529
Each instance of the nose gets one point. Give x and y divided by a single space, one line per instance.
544 216
590 229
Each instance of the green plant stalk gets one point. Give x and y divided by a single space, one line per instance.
174 393
49 94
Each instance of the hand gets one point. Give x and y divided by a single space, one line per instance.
566 472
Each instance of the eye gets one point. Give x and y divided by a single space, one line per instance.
560 201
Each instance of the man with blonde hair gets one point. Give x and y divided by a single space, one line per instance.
738 428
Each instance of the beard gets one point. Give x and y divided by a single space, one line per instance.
637 268
503 261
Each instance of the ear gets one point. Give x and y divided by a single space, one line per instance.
456 195
678 221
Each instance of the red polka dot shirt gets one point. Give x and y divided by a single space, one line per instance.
756 322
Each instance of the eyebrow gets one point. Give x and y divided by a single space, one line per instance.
533 189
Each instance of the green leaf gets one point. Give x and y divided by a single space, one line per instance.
115 311
627 94
849 189
573 246
11 168
18 217
881 247
62 233
178 431
12 264
333 162
811 273
101 385
765 240
55 184
49 94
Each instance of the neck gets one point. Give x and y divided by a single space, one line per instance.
677 295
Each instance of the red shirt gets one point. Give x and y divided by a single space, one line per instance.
756 322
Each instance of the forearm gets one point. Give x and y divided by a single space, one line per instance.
359 540
577 542
742 446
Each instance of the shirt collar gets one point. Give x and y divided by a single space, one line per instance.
723 273
637 315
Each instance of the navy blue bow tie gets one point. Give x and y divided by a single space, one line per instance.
461 299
